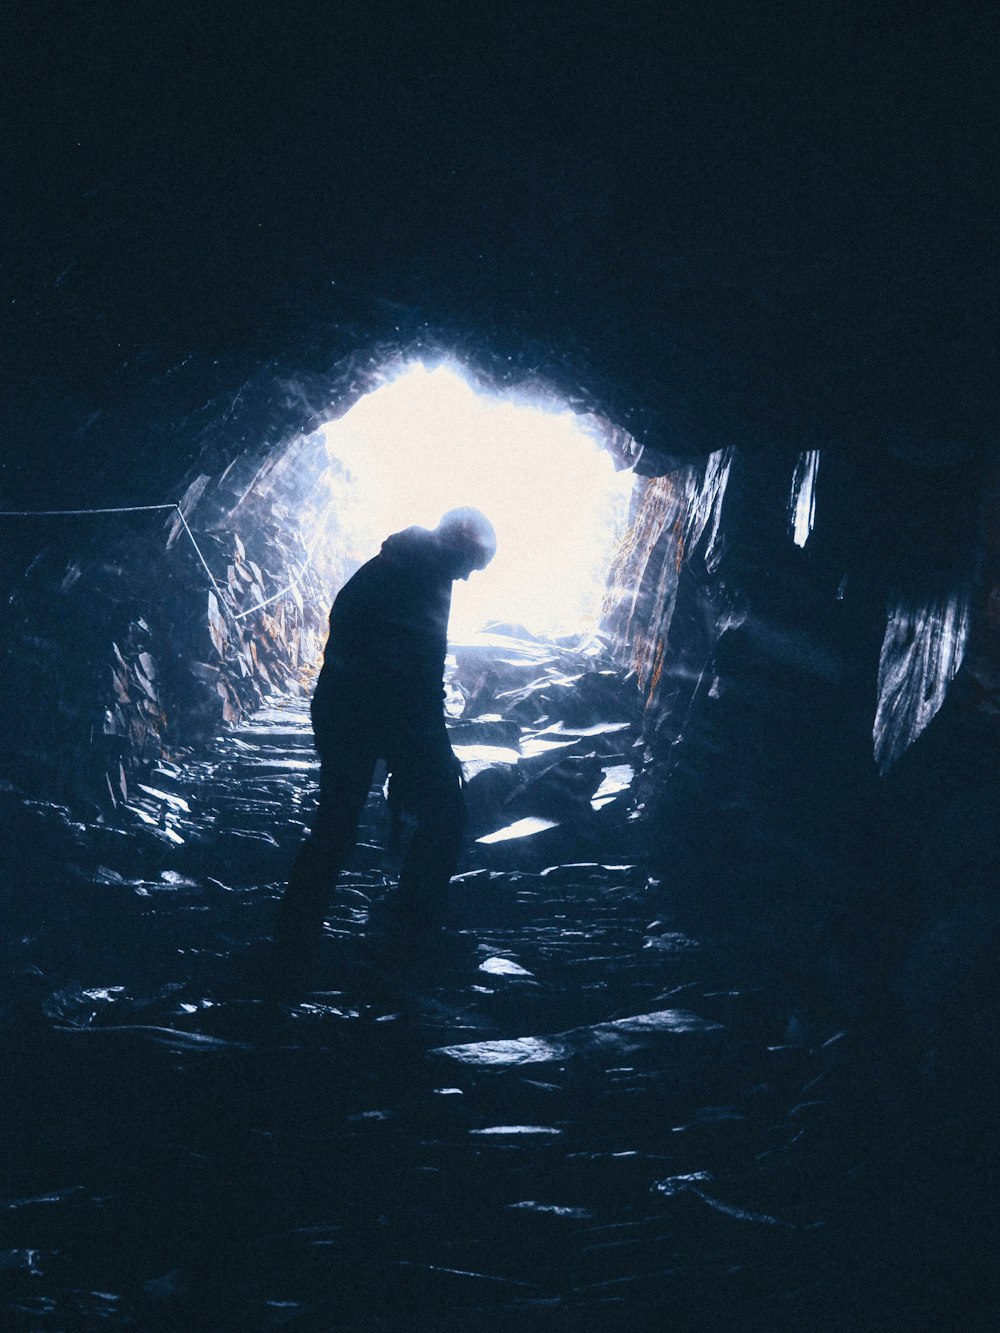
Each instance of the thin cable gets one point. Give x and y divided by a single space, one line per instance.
259 606
236 617
59 513
241 615
222 597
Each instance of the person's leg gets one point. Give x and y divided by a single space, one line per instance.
429 778
345 778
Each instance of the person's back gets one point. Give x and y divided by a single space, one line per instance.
388 638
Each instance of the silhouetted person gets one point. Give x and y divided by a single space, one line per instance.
380 696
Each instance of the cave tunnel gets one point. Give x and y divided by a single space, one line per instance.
706 1040
683 938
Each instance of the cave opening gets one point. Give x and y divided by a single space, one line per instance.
543 712
428 438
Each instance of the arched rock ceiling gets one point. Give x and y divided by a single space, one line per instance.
713 224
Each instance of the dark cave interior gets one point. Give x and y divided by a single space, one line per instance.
708 1038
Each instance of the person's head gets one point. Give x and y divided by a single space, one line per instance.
468 539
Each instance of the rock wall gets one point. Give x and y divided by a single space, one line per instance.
802 659
120 647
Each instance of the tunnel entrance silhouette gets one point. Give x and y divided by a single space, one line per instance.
537 709
426 440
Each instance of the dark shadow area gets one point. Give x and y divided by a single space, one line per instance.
565 1113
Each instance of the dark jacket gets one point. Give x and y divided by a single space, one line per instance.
384 659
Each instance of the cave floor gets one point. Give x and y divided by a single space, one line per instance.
565 1114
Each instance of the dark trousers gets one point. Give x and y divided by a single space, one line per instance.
425 782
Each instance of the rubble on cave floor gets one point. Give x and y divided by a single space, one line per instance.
567 1108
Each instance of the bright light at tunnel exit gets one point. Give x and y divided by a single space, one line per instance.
426 442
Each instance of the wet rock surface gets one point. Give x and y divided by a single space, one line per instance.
564 1113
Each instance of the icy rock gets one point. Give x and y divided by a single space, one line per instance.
475 758
521 828
503 967
609 1039
507 1130
551 1209
489 730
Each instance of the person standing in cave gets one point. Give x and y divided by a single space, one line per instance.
380 696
